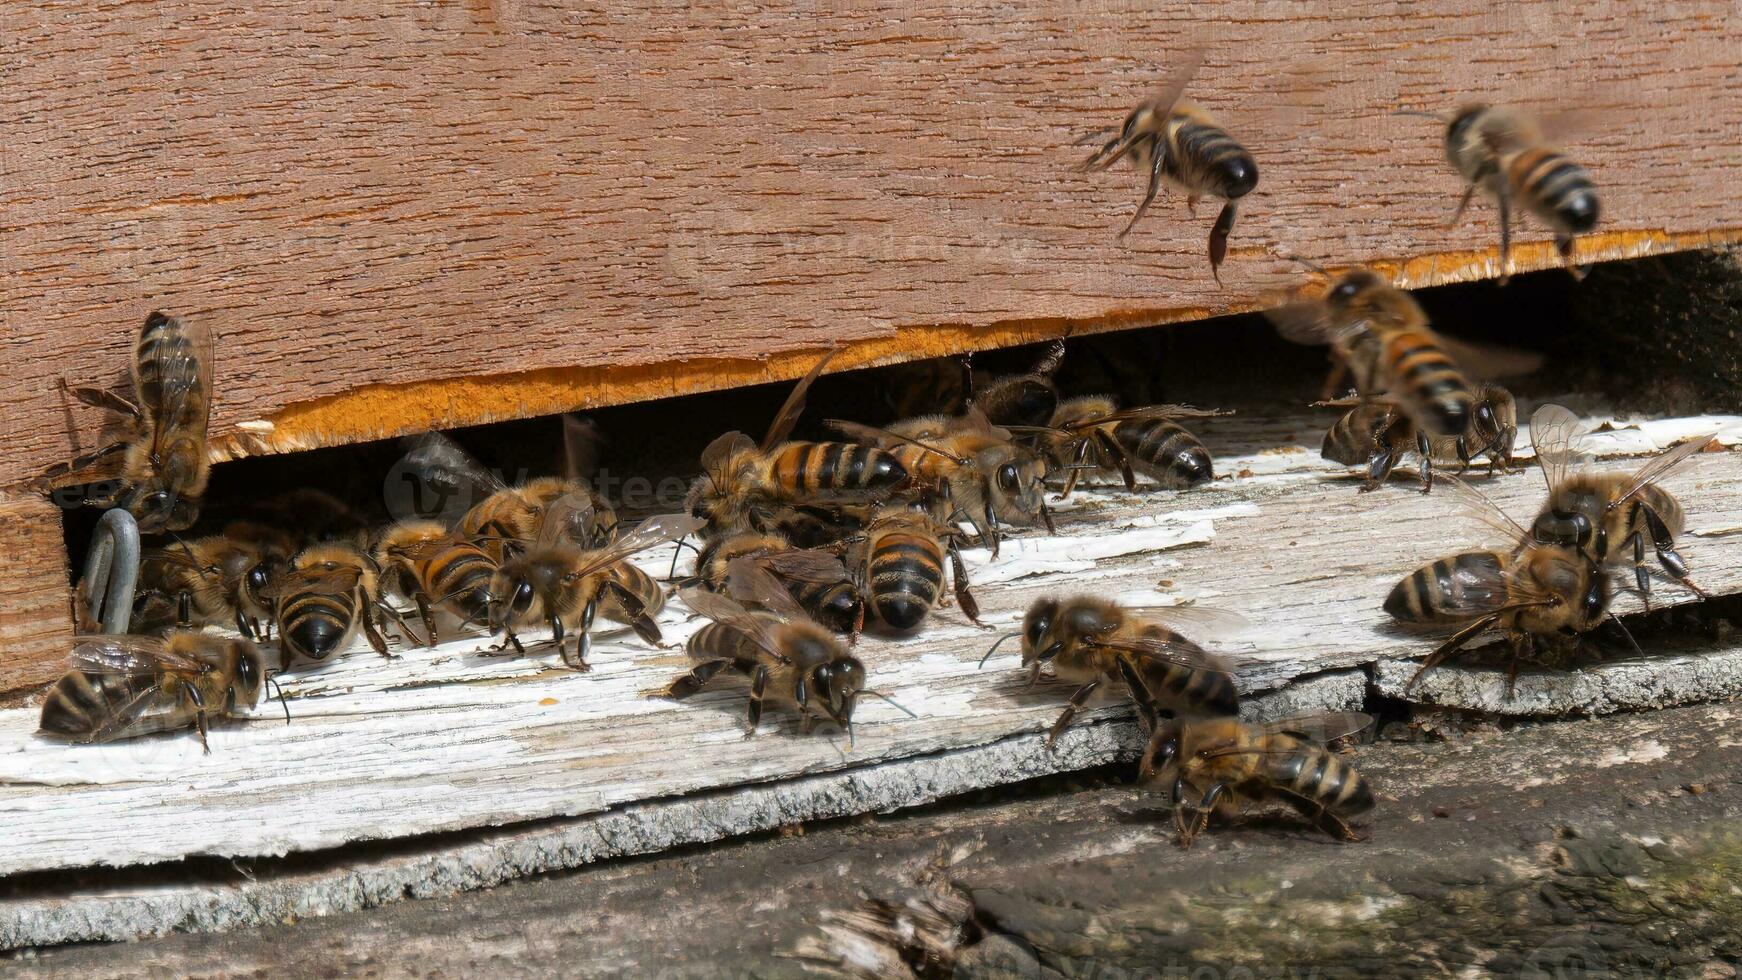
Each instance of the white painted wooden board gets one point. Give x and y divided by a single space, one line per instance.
447 739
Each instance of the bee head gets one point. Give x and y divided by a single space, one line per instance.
1036 626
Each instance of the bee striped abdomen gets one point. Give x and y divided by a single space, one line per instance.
1555 188
82 702
1206 158
1165 452
1188 690
1317 776
1436 593
907 572
806 468
718 641
461 575
1431 379
163 343
316 624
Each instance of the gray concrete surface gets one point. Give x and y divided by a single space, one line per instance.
1601 847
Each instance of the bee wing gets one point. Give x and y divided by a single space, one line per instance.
720 609
569 518
806 565
789 412
873 436
1159 649
1660 467
330 581
1302 322
1472 592
748 581
1206 622
656 530
443 466
1555 435
185 378
1146 412
582 440
127 654
1490 362
1322 728
1473 503
719 456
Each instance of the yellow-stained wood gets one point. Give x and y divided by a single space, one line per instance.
407 216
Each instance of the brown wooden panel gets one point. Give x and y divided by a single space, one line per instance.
648 200
35 619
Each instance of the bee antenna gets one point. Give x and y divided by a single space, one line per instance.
880 694
1309 263
1416 112
1627 633
995 646
273 684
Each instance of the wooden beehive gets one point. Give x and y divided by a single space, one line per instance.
417 217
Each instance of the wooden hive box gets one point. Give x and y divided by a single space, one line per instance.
403 218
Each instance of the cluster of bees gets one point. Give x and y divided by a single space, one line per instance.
801 544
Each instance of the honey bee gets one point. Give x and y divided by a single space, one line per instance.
210 581
965 468
935 384
164 468
1544 596
499 518
744 485
1375 433
774 644
1502 151
1022 399
1380 334
1091 433
816 577
1094 642
1605 515
124 686
561 582
326 596
1177 142
435 568
898 561
1223 763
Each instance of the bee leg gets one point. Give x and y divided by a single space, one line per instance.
1664 543
1192 204
1076 470
184 610
959 580
1033 677
104 399
1122 459
1219 233
583 639
696 679
424 613
1077 700
1201 814
1379 469
1463 202
1425 451
1564 245
1140 695
1451 646
1641 577
1155 169
372 626
1333 378
193 695
758 682
1334 825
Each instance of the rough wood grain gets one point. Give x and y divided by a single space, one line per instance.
647 200
34 616
449 739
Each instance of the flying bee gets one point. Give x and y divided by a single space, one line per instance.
744 484
123 686
435 568
1605 515
1375 433
965 468
164 467
1381 336
1177 142
898 561
1029 398
328 594
498 517
1223 763
211 581
1091 432
816 577
762 633
1502 151
1094 642
1544 596
561 582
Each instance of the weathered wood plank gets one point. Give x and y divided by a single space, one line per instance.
448 739
35 621
383 210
